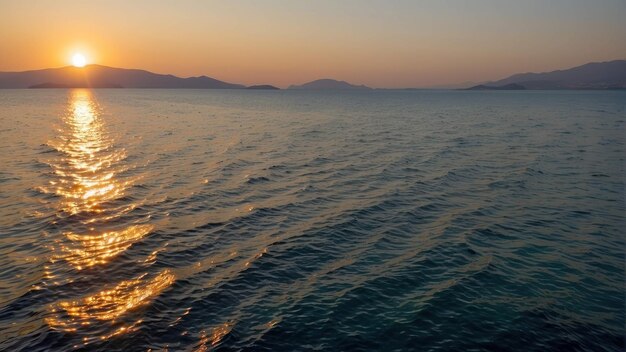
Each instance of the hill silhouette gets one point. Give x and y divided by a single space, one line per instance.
599 75
595 75
510 86
98 76
263 87
328 83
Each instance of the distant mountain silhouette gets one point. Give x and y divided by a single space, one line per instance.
600 75
462 85
597 75
328 84
511 86
97 76
263 87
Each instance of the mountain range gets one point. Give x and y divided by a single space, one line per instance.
595 75
599 75
97 76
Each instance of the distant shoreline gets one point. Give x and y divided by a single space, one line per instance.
609 75
481 88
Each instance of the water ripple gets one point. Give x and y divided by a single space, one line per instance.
140 220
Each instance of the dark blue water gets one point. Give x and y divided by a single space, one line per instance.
186 220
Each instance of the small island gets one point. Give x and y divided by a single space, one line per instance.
512 86
263 87
328 83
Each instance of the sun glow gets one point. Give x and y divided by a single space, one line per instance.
79 60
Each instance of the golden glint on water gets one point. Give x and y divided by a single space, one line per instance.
88 168
108 304
84 251
90 190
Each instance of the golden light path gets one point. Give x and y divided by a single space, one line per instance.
89 250
86 182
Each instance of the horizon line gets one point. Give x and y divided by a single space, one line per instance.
429 87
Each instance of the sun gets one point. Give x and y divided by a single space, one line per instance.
79 60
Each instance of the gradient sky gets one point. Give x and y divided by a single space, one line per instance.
379 43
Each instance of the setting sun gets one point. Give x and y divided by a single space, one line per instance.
79 60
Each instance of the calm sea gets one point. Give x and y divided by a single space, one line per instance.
198 220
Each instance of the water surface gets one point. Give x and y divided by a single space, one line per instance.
201 220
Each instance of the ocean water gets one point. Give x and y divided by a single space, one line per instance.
199 220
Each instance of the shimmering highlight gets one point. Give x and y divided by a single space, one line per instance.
87 166
112 303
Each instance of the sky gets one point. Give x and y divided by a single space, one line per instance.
380 43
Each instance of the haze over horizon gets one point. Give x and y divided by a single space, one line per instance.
377 43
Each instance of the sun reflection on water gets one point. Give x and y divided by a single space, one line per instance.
84 251
208 341
91 194
110 304
87 172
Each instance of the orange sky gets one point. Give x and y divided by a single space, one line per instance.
281 42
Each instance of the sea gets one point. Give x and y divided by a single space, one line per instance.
293 220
